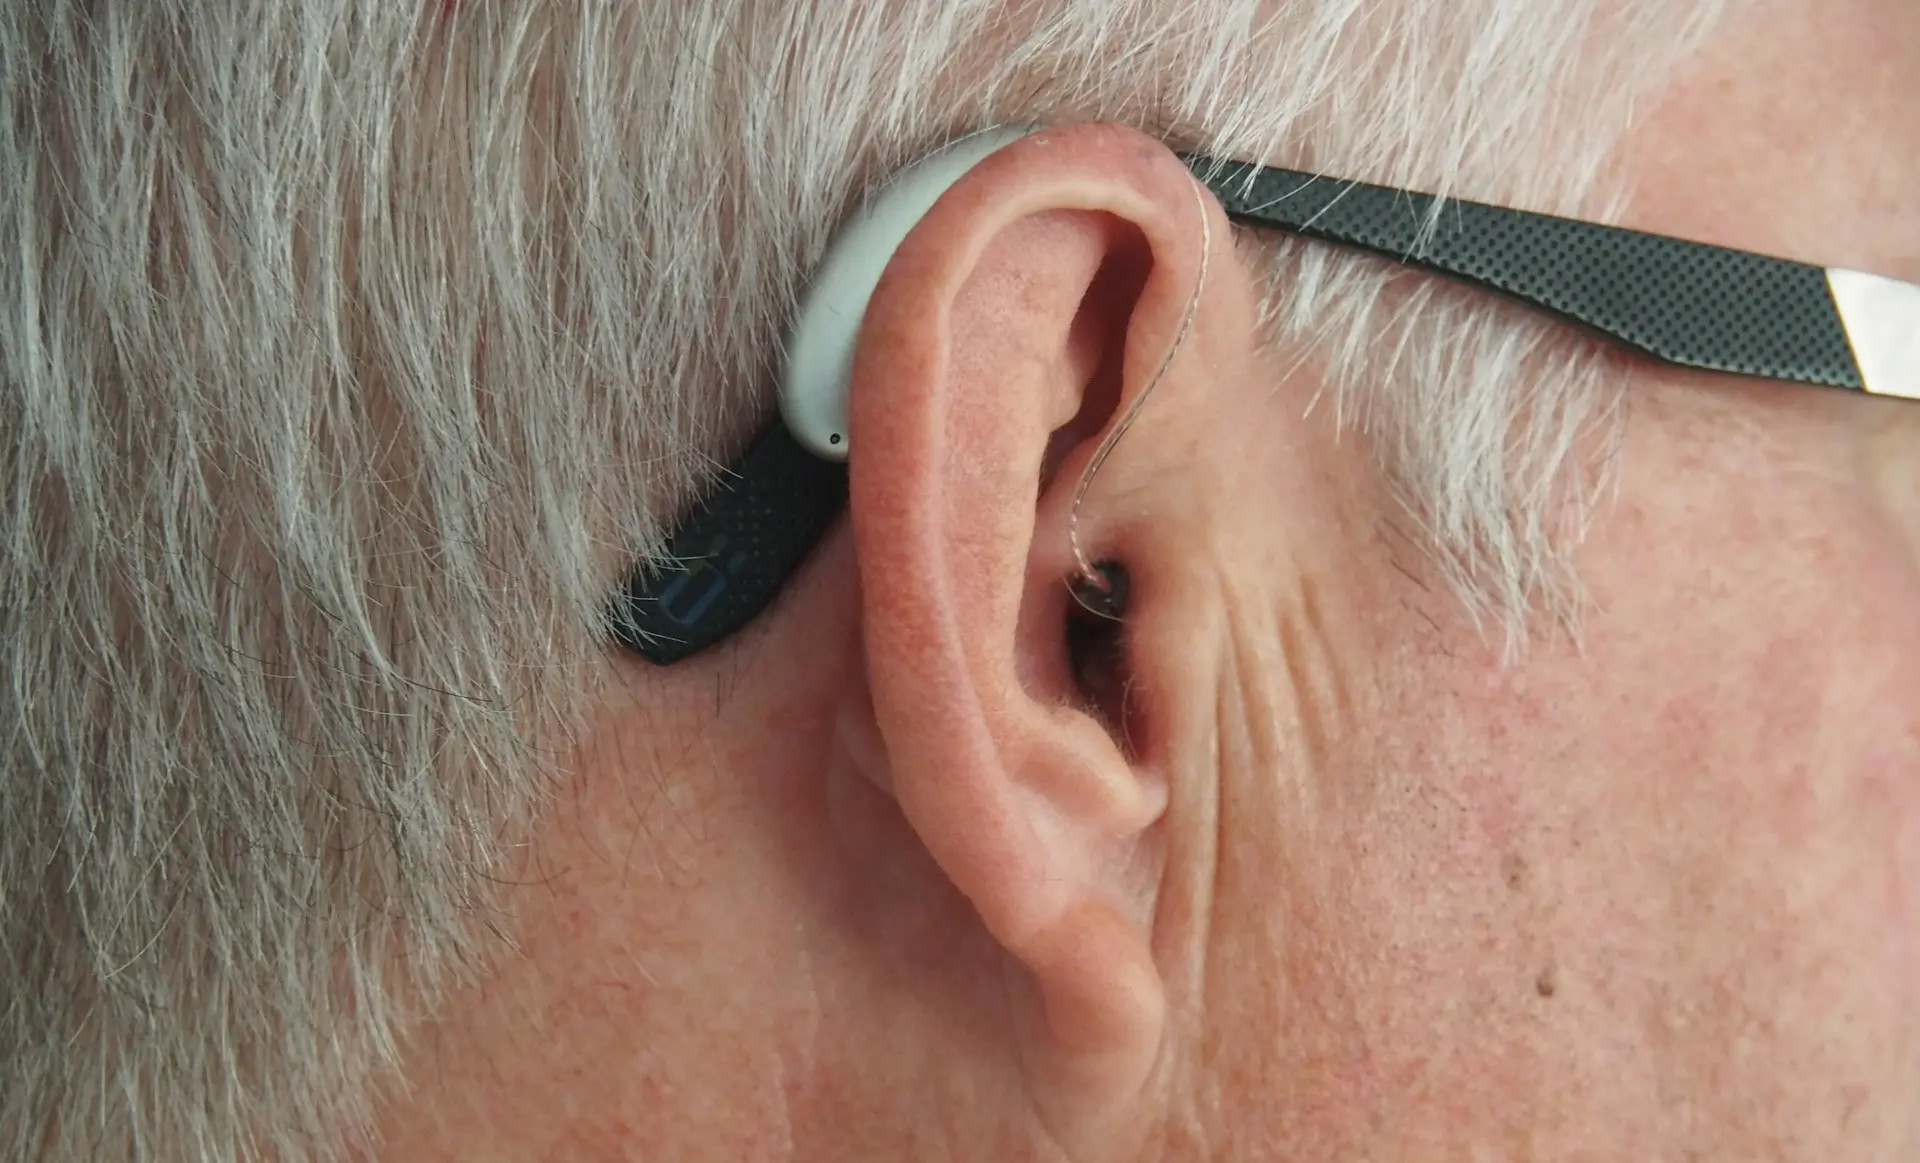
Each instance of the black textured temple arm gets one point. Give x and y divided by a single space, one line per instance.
734 554
1685 302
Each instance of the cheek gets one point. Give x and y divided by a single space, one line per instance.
1865 735
1676 866
1888 783
1755 721
1873 729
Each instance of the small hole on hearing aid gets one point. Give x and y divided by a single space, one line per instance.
834 439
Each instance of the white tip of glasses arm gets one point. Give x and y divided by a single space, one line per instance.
1882 318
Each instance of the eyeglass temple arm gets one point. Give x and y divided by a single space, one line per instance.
733 554
1684 302
1687 303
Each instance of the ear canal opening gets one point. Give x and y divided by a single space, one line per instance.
1097 655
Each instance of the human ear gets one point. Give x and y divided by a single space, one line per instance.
1030 306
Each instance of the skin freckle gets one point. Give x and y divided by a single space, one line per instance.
1513 869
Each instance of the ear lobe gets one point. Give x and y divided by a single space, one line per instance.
984 338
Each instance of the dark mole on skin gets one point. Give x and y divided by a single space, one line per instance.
1514 868
1548 983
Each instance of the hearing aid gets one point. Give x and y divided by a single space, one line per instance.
819 365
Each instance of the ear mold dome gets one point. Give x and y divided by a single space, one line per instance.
813 386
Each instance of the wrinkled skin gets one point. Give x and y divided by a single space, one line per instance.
891 878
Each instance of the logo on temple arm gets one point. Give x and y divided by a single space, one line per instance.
703 580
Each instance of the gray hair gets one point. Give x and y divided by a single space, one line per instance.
351 348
